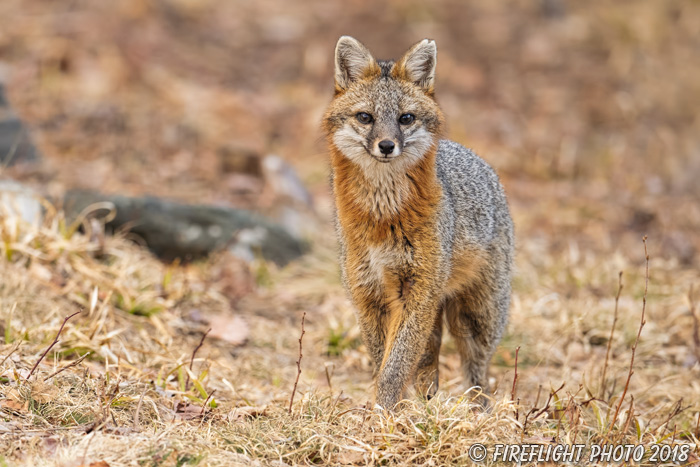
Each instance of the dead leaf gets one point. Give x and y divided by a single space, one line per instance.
43 393
17 406
351 457
96 464
247 412
187 411
14 395
230 328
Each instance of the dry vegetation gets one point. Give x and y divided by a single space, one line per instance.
589 112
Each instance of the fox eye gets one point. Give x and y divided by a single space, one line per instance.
406 119
364 117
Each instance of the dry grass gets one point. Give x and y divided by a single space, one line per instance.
127 403
587 113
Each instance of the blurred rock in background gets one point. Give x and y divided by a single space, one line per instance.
178 231
294 208
19 202
16 146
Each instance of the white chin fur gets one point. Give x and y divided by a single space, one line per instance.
350 144
381 198
416 145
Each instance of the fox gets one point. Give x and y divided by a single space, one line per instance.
424 227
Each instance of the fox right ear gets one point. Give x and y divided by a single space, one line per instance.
352 61
418 64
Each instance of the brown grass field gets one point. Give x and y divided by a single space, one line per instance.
588 110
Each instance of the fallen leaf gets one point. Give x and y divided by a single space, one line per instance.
17 406
350 457
240 413
14 395
43 393
230 328
187 411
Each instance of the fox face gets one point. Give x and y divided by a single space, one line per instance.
384 115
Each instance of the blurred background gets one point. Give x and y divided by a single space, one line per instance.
588 110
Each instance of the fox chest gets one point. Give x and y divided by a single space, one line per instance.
372 266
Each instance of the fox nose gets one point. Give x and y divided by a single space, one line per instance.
386 146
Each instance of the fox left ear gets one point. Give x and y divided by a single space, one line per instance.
352 61
418 64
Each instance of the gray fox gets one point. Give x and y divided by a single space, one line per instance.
424 227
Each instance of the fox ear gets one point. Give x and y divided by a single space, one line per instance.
418 64
352 61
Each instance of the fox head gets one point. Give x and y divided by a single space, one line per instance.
384 114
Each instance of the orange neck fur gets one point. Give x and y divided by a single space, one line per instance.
372 209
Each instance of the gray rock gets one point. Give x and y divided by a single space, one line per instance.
285 181
16 145
18 201
294 206
173 230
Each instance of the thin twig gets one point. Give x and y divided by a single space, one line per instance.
70 365
539 391
612 332
328 379
673 438
696 324
549 400
194 352
112 395
515 380
537 411
14 349
294 390
335 404
50 346
104 413
642 322
630 412
364 414
572 408
204 406
574 411
677 409
138 409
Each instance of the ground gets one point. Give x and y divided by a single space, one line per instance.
588 112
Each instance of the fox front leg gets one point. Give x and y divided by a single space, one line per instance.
369 319
411 325
427 374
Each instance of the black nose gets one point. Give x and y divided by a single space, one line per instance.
386 146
